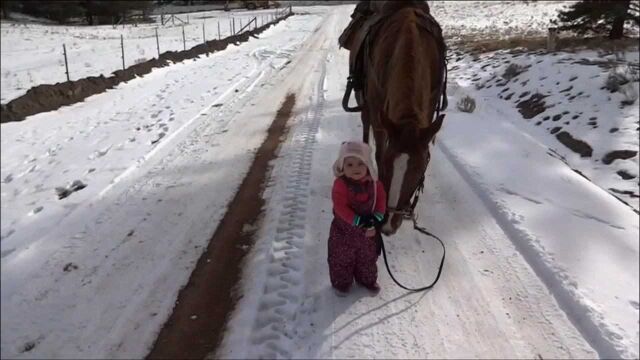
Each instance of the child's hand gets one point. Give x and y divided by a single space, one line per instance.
370 232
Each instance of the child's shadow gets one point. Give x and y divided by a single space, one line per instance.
362 320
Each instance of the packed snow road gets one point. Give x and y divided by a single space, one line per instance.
489 302
97 276
515 285
161 157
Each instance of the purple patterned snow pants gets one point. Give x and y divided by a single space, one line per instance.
351 254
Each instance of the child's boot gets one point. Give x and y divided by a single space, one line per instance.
374 289
341 292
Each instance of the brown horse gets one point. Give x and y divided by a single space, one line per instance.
398 70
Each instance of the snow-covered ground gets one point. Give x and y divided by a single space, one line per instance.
541 262
574 102
32 54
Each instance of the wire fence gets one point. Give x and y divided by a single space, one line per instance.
96 55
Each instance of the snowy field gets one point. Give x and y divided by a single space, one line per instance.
542 262
32 54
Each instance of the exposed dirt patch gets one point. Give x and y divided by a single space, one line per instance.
576 145
625 192
476 44
618 154
533 106
625 175
44 98
211 292
567 89
555 129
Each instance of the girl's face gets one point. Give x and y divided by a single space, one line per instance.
354 168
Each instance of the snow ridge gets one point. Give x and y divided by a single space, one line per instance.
557 281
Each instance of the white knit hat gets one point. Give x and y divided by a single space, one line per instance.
357 149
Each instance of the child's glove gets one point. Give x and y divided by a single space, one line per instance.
378 218
368 221
364 222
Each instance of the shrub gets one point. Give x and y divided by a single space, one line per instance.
512 71
466 104
620 76
630 94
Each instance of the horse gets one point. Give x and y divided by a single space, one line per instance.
398 71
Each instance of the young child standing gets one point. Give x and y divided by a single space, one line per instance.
359 204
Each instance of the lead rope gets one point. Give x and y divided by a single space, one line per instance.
423 231
440 106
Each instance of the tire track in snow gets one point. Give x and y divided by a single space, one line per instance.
579 313
213 282
276 328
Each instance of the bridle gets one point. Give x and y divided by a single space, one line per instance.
408 212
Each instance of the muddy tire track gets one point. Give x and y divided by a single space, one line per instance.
196 326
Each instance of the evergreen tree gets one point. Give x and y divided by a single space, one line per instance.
4 7
108 11
60 11
94 11
599 17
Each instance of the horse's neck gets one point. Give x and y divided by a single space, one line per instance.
387 8
407 62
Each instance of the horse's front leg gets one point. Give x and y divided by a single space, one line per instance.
366 123
365 127
380 137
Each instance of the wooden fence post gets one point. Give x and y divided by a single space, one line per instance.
122 47
552 38
184 41
218 29
158 43
66 66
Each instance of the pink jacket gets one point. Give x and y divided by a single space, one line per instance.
342 207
